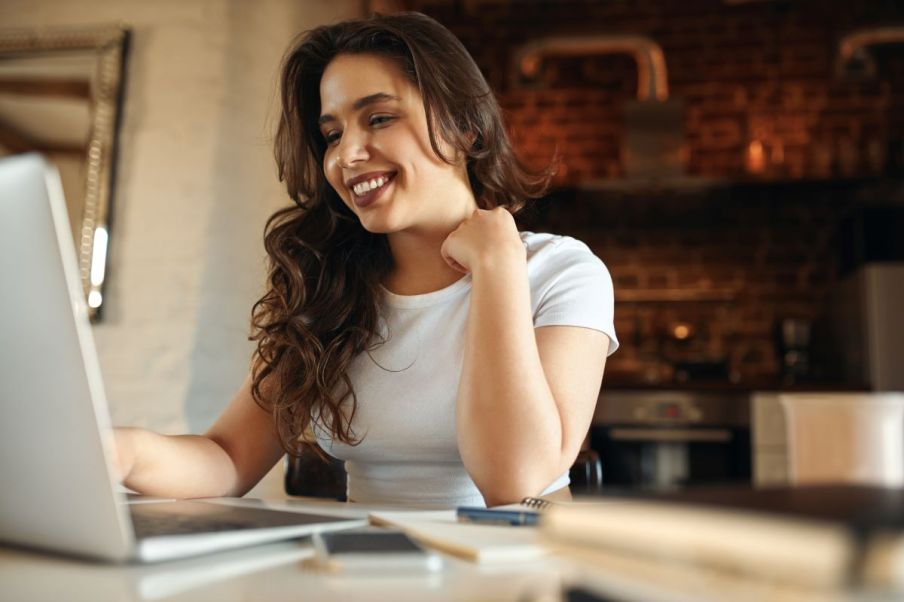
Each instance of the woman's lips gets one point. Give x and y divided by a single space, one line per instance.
372 195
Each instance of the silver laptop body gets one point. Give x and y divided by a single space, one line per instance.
58 487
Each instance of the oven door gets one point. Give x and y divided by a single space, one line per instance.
667 438
649 456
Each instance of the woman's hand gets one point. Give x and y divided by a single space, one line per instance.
485 238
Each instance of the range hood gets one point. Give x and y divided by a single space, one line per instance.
654 153
854 62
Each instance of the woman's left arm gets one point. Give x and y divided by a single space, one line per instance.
526 396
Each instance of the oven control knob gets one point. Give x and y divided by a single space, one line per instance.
641 413
694 413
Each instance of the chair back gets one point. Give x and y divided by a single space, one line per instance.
309 475
586 473
845 437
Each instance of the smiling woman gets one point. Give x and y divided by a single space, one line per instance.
409 329
378 156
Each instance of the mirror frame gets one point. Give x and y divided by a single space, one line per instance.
110 43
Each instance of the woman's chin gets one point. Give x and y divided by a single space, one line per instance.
379 224
378 227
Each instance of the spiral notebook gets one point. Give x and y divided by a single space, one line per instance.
524 514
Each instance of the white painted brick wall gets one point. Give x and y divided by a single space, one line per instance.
196 183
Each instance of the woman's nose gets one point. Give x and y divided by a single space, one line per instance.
352 148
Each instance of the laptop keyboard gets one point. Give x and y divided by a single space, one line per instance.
147 525
189 517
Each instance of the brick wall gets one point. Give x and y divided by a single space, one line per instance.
730 263
751 253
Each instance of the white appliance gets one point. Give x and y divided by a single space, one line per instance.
867 318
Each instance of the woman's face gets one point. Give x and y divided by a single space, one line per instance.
378 156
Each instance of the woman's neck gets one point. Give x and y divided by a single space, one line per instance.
419 266
418 263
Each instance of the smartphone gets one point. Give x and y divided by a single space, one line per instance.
372 550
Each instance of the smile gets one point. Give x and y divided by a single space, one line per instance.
364 187
366 192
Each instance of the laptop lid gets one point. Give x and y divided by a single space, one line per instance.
58 485
59 489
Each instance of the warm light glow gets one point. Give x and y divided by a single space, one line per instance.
99 258
681 332
756 157
94 299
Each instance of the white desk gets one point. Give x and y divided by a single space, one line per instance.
280 572
274 572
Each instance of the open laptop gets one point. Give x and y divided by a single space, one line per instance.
59 490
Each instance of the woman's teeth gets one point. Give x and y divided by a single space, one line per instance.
363 188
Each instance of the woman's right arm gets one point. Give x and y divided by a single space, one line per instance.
228 460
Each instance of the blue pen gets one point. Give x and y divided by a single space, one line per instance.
490 516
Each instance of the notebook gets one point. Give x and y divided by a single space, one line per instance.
55 447
484 535
826 536
525 513
484 544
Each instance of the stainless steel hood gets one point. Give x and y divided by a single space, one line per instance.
654 152
854 60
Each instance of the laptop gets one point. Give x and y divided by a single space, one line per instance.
59 489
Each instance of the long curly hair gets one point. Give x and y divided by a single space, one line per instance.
321 308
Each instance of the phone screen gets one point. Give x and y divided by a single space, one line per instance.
350 542
373 550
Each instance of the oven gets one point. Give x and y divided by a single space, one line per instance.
657 439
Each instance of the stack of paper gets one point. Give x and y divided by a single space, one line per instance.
441 530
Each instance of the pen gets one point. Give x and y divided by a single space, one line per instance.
491 516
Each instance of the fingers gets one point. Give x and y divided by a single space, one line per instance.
456 266
451 262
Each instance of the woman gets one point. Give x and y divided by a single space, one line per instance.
409 328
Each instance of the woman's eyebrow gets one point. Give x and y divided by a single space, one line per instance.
361 103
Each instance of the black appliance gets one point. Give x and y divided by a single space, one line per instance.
657 439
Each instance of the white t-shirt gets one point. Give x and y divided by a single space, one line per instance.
407 387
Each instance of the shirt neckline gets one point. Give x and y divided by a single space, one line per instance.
434 297
427 299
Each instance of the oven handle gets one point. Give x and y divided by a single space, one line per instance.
671 435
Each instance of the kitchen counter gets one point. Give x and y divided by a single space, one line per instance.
747 386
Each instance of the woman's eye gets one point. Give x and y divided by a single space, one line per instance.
380 119
331 137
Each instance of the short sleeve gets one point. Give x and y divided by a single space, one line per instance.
570 286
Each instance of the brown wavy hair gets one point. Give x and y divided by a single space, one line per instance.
321 307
